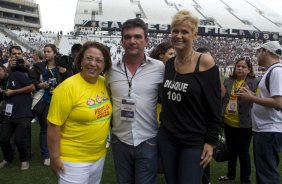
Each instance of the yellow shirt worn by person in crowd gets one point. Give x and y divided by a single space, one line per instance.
231 116
83 111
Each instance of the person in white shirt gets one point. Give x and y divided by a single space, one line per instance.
133 84
267 114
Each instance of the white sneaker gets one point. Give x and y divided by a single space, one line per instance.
46 161
4 163
25 165
33 120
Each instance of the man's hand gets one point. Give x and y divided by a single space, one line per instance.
246 94
12 62
9 92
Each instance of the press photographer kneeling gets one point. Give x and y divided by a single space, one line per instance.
17 112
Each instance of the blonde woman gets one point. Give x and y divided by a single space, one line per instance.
191 111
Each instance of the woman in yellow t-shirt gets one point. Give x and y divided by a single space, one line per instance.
79 119
237 120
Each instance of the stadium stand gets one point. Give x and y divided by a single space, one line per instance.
250 15
230 29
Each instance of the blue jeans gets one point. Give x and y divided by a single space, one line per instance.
135 164
42 118
267 146
181 164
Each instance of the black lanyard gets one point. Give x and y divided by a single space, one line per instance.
129 81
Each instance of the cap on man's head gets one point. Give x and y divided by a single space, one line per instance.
273 47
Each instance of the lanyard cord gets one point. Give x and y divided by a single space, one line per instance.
129 81
236 84
236 88
50 70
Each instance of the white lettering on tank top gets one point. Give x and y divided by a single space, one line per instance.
177 86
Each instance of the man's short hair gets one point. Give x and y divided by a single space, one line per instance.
15 47
136 22
76 47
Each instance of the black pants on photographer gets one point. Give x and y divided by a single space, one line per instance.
21 130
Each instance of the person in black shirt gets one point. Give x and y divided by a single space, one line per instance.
17 113
191 106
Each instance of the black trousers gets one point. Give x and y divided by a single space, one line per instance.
21 129
238 143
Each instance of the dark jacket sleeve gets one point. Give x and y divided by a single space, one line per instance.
212 101
36 71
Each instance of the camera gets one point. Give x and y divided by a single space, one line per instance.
52 82
20 65
20 62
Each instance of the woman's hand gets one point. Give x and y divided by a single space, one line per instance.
206 155
57 166
43 85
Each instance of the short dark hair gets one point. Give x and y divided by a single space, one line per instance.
136 22
14 47
162 48
76 47
90 44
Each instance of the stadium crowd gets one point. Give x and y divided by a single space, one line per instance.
225 50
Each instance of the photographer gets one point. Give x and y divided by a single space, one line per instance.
17 113
47 75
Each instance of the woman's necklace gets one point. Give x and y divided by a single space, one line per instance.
179 63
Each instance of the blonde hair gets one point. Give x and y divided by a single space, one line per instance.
185 15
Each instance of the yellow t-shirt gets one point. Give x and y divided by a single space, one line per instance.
83 111
232 118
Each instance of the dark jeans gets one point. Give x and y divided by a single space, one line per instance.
207 175
181 164
267 146
21 129
238 142
135 164
42 118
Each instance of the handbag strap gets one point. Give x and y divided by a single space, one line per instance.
221 137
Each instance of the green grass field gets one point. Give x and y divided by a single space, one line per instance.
39 174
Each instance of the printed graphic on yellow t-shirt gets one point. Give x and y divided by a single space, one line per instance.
83 111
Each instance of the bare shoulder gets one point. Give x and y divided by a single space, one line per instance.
206 62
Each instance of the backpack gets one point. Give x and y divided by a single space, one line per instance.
267 82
